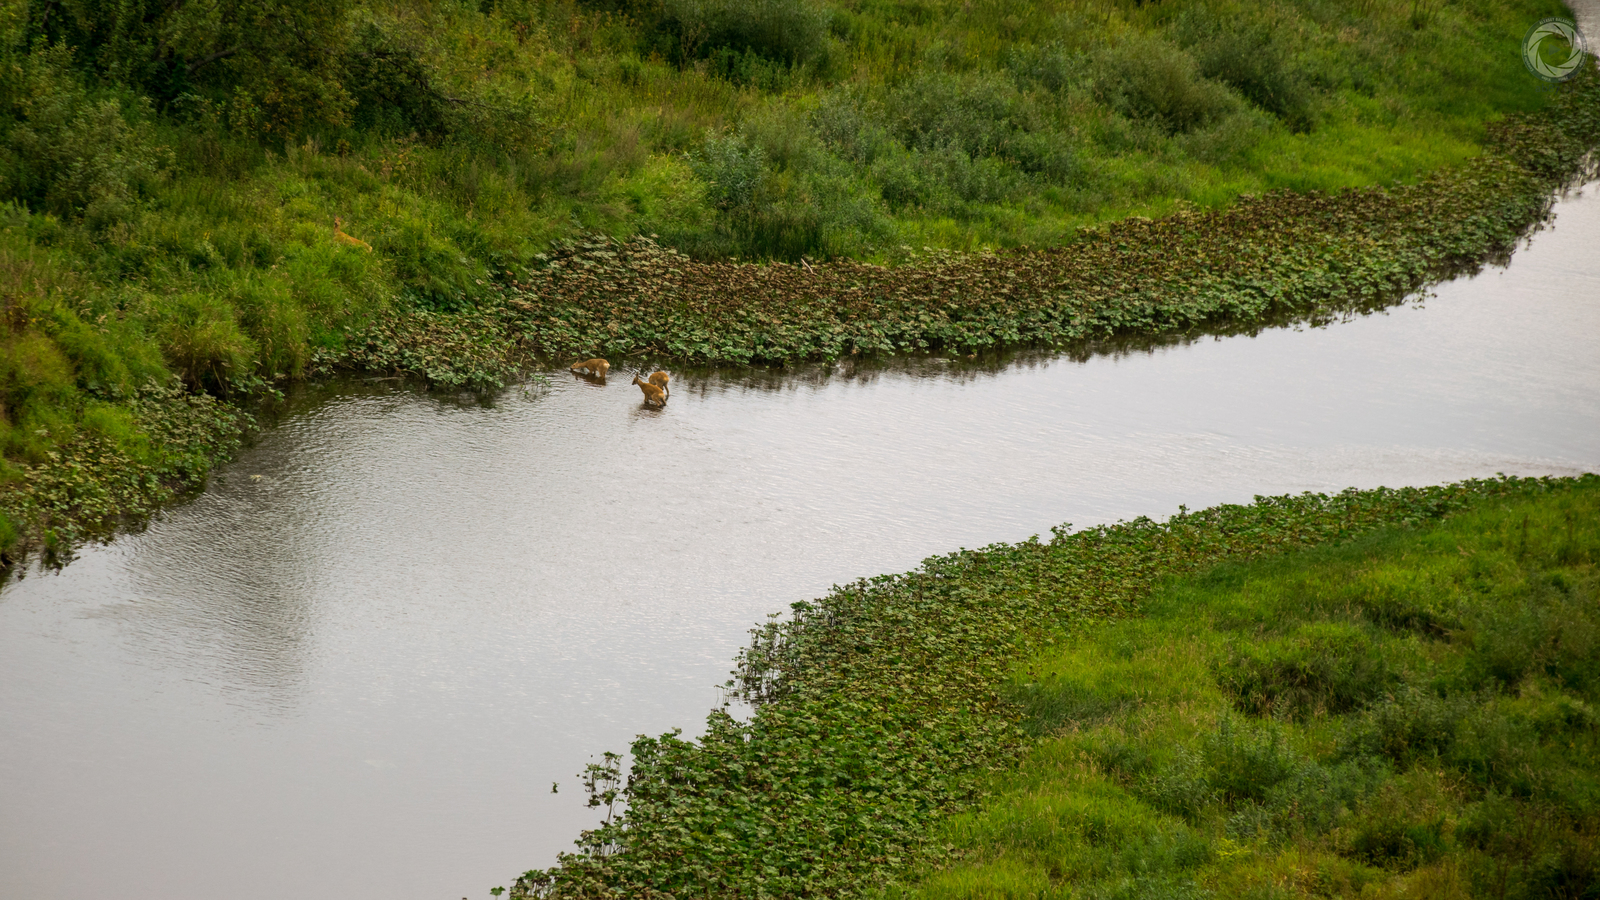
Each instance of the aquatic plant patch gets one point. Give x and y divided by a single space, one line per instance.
882 709
135 456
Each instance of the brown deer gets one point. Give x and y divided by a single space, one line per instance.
341 237
652 394
596 367
660 379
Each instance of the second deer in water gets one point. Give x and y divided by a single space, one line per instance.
660 379
596 367
652 394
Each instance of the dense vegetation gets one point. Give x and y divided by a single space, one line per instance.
1411 714
239 194
1358 696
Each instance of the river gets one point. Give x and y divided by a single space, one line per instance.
355 664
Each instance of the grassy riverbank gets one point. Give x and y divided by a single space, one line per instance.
237 195
1408 714
897 702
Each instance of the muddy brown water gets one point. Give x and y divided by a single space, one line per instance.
356 663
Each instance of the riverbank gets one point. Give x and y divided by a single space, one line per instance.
898 701
1411 713
239 241
1265 261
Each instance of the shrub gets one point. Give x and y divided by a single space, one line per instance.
68 152
1052 67
733 171
203 342
1250 57
1409 724
9 535
792 32
393 90
1265 788
31 367
1150 80
276 323
274 63
978 113
431 269
1320 668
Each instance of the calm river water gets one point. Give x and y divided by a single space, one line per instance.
354 666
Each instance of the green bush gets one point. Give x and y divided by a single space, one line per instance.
204 344
33 374
393 89
276 323
1053 66
1149 80
1317 669
1250 57
1395 828
9 536
977 113
734 171
67 151
792 32
275 65
433 271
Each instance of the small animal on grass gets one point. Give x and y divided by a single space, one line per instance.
341 237
652 394
596 367
660 379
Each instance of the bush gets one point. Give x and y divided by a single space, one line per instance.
276 323
1052 67
203 342
68 152
1250 57
275 65
733 171
1147 79
1412 723
431 269
9 535
393 90
791 32
979 113
1321 668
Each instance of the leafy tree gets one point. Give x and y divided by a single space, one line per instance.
277 65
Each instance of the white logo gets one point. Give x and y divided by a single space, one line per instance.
1554 49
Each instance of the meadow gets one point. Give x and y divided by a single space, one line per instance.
1408 714
236 196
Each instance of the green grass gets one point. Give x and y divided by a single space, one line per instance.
1412 713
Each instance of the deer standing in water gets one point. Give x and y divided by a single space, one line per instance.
596 367
660 379
652 394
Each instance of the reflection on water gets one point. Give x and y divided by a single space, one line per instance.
355 664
